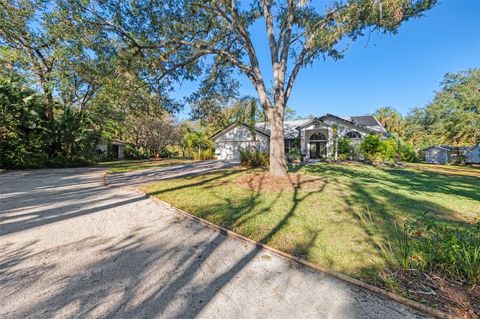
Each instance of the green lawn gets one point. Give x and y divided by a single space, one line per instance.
342 226
135 165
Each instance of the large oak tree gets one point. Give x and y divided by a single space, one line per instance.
298 32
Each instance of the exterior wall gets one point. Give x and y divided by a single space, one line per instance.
436 155
342 130
121 151
102 147
473 156
228 144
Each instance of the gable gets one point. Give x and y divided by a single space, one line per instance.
238 133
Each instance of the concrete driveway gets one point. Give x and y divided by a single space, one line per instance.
71 247
136 178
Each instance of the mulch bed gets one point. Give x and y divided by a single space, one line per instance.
443 293
265 182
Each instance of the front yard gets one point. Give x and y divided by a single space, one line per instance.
347 223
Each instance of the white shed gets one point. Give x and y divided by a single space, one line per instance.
473 155
436 154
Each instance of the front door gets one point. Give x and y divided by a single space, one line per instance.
318 149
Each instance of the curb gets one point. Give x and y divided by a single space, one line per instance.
378 291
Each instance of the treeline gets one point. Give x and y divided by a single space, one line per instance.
452 118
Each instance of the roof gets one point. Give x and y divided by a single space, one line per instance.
290 127
217 134
368 122
449 147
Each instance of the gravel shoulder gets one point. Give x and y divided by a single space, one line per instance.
71 247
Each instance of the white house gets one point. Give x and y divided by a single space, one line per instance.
315 137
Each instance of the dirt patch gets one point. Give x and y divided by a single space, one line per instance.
443 293
265 182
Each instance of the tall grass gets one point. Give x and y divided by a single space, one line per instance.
450 249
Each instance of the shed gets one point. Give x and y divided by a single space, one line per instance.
437 154
472 156
113 148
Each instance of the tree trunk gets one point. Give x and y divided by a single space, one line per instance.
278 163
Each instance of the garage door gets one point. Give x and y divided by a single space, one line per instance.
230 150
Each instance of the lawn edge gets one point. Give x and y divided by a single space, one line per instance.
377 290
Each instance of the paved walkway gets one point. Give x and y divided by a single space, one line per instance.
71 247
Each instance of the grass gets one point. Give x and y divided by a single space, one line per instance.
135 165
327 226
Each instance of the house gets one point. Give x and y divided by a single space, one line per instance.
314 137
444 154
113 148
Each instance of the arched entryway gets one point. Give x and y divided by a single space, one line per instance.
318 145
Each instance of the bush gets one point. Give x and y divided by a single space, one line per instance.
370 147
345 149
254 158
293 154
204 155
407 153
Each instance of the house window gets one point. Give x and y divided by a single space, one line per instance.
353 134
318 137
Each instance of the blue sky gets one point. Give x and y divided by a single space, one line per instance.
402 70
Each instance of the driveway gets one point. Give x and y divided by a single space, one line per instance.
136 178
71 247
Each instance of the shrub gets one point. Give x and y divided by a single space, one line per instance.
254 158
345 149
370 147
293 154
407 153
204 155
388 151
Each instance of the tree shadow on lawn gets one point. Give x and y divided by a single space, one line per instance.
411 180
111 286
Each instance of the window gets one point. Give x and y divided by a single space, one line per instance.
318 137
353 134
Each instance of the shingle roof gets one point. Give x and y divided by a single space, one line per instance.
290 127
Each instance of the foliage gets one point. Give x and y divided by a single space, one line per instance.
206 154
29 139
254 158
198 145
392 149
452 118
345 149
370 146
391 120
294 154
151 135
453 249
